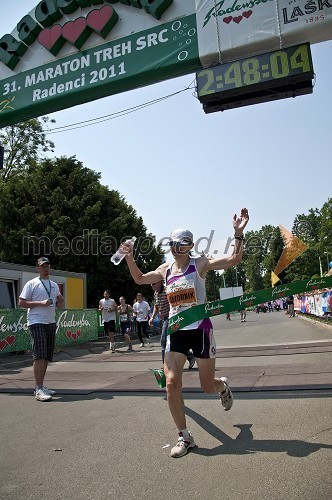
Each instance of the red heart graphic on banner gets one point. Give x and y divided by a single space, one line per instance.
247 14
73 336
76 32
10 339
102 20
68 333
238 19
3 344
78 332
228 19
51 39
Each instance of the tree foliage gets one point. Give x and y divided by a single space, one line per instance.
59 208
259 257
307 228
213 283
24 145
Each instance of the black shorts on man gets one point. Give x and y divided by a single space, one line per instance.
42 340
109 326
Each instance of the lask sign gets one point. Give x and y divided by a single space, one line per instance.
229 30
67 52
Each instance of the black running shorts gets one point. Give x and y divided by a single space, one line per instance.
200 340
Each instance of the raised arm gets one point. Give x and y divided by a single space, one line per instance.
137 275
239 223
154 313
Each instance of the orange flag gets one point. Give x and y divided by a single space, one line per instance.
274 278
294 247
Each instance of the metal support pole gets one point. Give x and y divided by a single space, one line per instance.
2 151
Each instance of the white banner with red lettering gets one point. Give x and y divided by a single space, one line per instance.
234 29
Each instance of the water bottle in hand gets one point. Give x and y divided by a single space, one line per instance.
118 256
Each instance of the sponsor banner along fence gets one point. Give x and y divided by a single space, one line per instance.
73 326
219 307
317 304
79 326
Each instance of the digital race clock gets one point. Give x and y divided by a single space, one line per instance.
274 75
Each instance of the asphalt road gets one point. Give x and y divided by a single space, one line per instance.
267 328
113 445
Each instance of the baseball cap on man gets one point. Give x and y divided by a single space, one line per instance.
42 260
181 236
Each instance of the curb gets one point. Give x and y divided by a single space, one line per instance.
314 320
97 348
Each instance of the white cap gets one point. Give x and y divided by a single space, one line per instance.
183 236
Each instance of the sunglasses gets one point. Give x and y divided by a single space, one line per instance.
178 244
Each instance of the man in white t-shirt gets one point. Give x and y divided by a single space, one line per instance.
41 296
141 313
108 308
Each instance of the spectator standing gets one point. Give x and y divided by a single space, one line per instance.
125 311
290 304
141 311
41 296
108 308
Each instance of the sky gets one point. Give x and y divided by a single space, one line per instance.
179 167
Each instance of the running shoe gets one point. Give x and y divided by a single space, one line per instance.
51 392
41 395
191 363
182 446
226 396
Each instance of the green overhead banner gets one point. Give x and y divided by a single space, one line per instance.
218 307
116 66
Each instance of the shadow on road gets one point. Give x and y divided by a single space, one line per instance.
246 444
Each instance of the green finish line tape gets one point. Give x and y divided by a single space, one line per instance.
218 307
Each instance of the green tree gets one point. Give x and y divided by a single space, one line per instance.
214 281
325 235
59 208
24 144
274 250
307 228
256 251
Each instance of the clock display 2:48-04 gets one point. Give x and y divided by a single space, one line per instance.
260 71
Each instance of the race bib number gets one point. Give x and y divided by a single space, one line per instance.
182 294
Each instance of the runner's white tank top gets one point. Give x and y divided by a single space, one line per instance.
186 290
